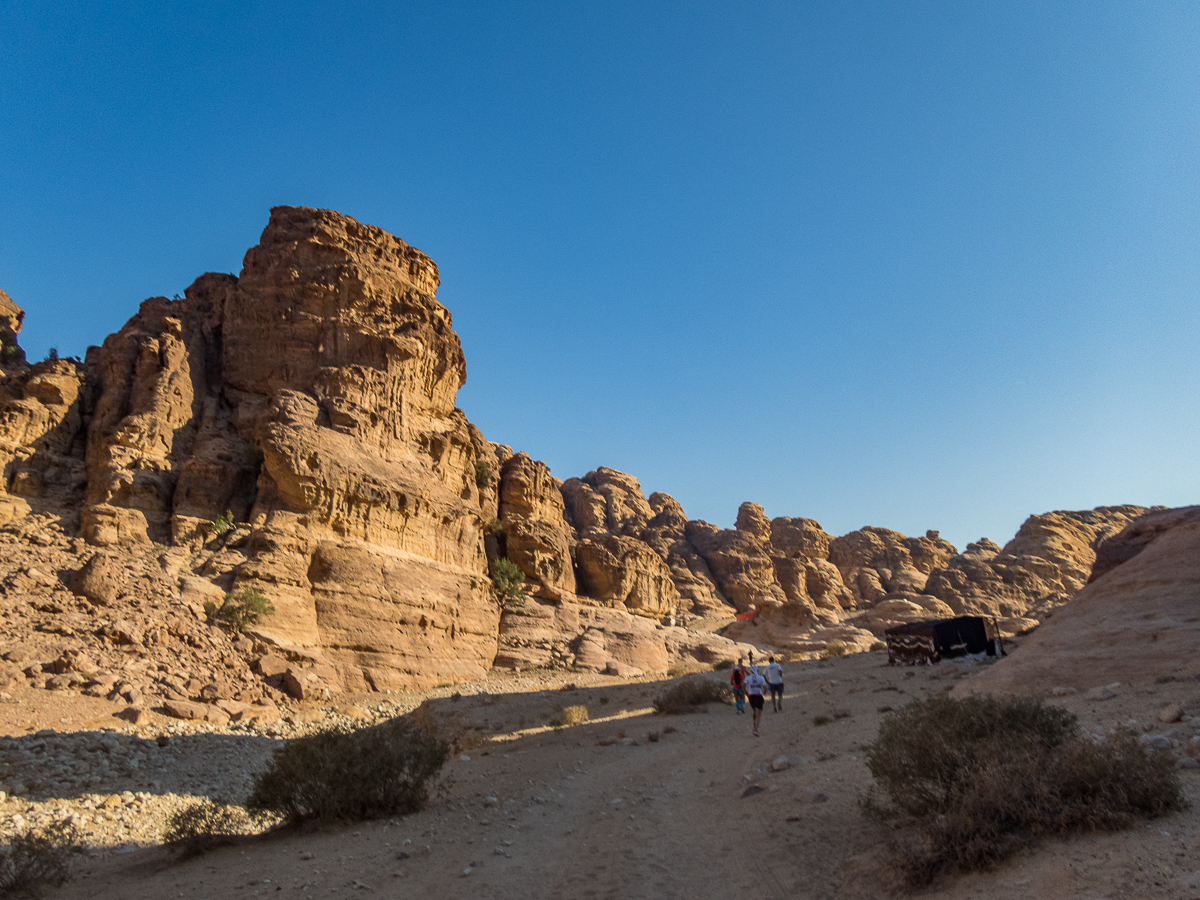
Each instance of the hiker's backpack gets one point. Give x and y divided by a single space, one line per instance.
737 677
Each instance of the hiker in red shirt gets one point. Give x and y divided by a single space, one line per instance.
737 678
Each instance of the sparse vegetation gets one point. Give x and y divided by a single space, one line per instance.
11 353
687 696
221 524
877 646
241 609
820 720
41 857
653 737
483 474
381 771
574 715
834 649
52 356
969 781
723 665
495 527
203 826
509 582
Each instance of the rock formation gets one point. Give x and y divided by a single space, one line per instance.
293 430
1134 622
1036 572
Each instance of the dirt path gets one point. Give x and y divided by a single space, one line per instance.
579 813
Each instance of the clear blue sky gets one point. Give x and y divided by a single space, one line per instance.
919 265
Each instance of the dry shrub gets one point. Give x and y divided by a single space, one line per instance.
686 696
381 771
38 858
574 715
969 781
723 665
204 825
835 649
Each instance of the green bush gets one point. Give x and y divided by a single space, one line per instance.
11 353
367 774
969 781
241 609
509 581
204 825
483 474
38 858
689 695
222 523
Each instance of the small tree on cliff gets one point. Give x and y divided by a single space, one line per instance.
509 581
241 609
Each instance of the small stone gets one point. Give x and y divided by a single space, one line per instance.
1156 741
1063 691
467 871
1187 762
780 764
464 757
1105 692
1170 713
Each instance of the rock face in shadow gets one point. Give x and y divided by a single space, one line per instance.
1135 622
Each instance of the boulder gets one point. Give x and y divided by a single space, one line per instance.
99 580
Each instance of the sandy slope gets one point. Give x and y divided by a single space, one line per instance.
574 818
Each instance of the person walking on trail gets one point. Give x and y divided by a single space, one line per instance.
737 678
755 686
775 683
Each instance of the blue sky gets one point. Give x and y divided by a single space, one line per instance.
919 265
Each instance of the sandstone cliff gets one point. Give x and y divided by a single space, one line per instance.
1135 622
308 404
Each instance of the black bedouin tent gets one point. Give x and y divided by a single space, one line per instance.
929 642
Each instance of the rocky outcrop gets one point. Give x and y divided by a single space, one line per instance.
313 398
631 552
43 412
535 535
599 639
1040 569
1135 622
876 562
1137 536
11 319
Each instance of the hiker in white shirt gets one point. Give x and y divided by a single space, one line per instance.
755 685
775 683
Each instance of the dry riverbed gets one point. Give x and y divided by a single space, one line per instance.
631 804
